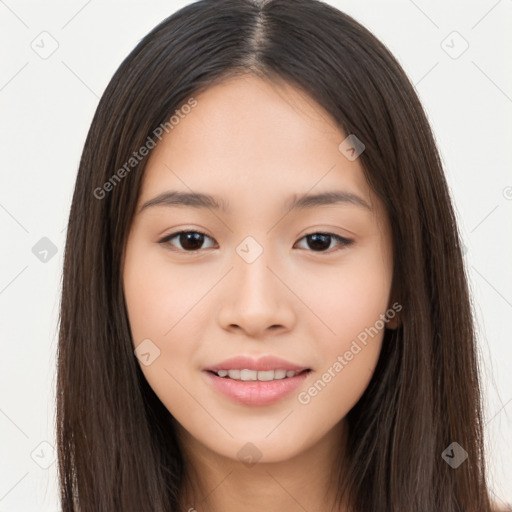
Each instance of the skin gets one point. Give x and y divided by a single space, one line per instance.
254 144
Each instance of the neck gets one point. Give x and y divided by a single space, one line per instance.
306 481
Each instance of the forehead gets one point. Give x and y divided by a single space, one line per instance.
249 138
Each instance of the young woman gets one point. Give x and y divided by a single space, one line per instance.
264 300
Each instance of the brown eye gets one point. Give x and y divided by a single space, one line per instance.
189 241
192 241
321 242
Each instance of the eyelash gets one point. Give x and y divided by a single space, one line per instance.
343 242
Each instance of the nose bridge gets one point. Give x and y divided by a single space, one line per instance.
257 300
254 279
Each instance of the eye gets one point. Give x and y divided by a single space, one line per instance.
190 241
321 242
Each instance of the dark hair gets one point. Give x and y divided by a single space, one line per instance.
117 447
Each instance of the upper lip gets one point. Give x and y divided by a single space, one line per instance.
263 363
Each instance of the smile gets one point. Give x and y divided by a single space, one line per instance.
266 375
255 388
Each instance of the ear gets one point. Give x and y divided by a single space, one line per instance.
392 323
393 315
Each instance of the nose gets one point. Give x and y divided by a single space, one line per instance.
256 298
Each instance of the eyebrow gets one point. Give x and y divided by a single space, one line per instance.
201 200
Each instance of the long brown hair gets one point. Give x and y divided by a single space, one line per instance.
117 448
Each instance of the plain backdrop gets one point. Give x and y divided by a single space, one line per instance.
56 60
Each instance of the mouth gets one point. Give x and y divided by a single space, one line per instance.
256 388
256 380
246 375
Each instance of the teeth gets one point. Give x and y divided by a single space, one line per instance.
234 374
266 375
279 374
246 374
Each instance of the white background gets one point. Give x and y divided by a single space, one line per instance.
46 109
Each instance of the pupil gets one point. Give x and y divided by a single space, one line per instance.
319 241
191 240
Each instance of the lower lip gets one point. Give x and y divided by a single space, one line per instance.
255 392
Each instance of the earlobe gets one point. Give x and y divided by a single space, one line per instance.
392 323
393 315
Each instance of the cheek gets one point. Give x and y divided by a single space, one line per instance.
349 299
162 316
165 305
334 390
352 306
158 296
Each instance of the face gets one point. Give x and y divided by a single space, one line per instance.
288 288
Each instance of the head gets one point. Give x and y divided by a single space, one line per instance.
265 115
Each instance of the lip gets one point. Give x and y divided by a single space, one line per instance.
254 392
263 363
